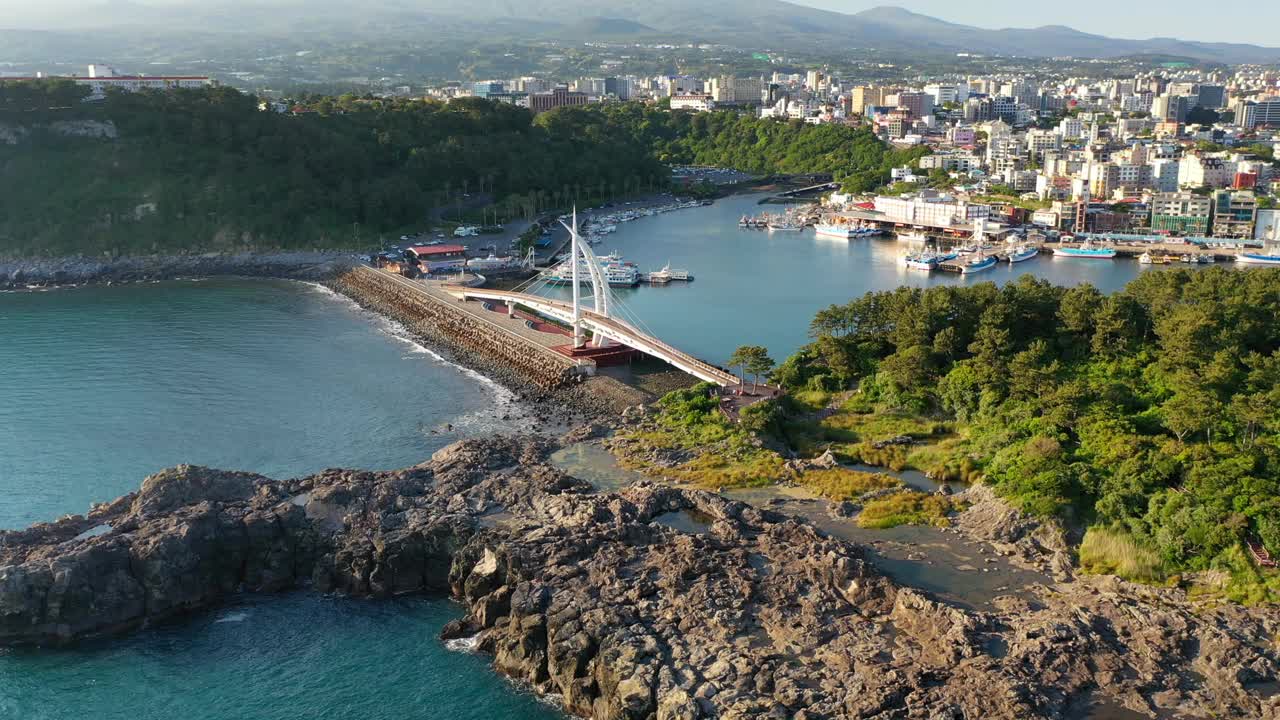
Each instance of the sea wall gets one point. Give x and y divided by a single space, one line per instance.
488 346
17 273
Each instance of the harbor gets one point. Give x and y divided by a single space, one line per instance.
760 287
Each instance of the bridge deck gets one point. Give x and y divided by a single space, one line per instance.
613 328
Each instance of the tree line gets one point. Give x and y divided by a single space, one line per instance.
206 170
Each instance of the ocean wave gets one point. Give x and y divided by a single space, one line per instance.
465 644
232 617
505 401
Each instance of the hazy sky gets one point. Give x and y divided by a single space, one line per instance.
1257 23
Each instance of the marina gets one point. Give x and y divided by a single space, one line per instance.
739 296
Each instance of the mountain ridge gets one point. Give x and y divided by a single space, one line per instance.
762 24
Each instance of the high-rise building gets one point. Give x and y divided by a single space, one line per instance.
1211 96
864 96
1251 114
920 104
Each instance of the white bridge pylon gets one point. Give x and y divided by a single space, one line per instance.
581 254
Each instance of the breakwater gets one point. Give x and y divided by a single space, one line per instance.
444 321
20 273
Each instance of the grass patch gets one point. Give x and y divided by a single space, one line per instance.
1114 552
1245 583
907 508
845 484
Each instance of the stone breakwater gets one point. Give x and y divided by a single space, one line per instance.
441 323
551 381
23 272
599 600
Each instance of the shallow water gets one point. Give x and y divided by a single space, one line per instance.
927 558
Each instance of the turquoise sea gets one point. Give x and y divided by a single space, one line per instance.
101 386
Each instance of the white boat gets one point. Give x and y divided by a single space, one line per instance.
1258 259
1022 252
785 224
845 230
914 236
492 262
616 272
666 275
1145 259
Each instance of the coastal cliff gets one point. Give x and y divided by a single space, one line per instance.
655 602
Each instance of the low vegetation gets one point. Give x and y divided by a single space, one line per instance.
1115 552
908 507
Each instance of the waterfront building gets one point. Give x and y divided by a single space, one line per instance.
1183 213
431 258
937 211
1234 213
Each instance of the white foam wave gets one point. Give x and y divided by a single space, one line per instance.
234 617
505 402
465 644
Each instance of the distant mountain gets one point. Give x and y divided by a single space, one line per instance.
1048 40
743 23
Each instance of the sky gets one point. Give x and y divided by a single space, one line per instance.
1256 23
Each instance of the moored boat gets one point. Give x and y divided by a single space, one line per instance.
1258 259
1086 251
1021 253
977 264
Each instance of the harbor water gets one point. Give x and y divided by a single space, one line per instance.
761 288
101 386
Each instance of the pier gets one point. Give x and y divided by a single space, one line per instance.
549 342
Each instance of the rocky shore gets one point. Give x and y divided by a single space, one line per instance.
655 602
20 273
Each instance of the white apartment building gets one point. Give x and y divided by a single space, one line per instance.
696 102
940 211
1199 170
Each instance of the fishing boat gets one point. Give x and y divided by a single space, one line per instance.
1258 259
785 223
1021 253
1087 251
927 259
977 264
912 236
1197 258
845 230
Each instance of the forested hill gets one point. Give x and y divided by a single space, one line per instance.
1152 414
199 171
